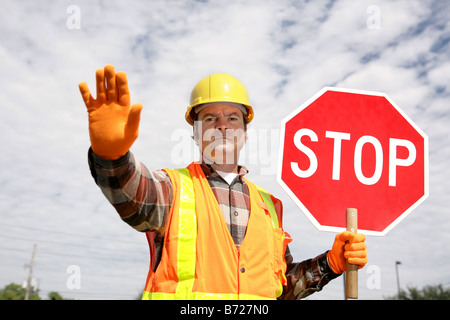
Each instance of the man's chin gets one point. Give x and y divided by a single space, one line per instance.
221 155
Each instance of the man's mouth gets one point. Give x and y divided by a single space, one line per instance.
222 137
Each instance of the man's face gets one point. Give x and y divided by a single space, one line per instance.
220 133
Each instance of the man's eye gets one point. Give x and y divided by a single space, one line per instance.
233 118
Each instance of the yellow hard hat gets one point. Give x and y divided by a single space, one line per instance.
218 87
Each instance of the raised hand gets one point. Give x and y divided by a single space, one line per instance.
113 124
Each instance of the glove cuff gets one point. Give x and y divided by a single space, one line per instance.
332 264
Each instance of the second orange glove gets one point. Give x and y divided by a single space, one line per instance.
347 246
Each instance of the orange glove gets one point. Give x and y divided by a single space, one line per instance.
347 246
113 125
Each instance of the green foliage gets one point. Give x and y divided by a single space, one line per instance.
426 293
15 291
54 296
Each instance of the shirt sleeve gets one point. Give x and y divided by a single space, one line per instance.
306 277
140 196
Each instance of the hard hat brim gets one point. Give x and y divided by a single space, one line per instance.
190 115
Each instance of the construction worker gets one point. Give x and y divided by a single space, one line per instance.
212 233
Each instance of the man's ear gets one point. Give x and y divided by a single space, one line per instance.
195 137
195 132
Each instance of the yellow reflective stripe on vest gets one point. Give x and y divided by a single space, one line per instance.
270 206
187 234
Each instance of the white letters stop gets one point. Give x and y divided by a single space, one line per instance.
338 137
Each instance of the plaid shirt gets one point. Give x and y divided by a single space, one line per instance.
143 199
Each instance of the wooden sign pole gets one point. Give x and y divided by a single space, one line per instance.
351 278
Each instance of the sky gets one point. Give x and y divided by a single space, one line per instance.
283 51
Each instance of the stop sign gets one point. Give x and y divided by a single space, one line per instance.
353 149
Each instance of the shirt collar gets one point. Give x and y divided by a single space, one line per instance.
208 170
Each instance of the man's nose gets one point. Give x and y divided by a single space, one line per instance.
221 124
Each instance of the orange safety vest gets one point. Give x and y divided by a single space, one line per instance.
199 258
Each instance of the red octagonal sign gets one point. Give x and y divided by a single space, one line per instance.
353 149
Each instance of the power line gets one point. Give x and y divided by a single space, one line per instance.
67 255
45 253
67 233
113 250
67 244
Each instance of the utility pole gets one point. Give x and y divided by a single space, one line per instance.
30 275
